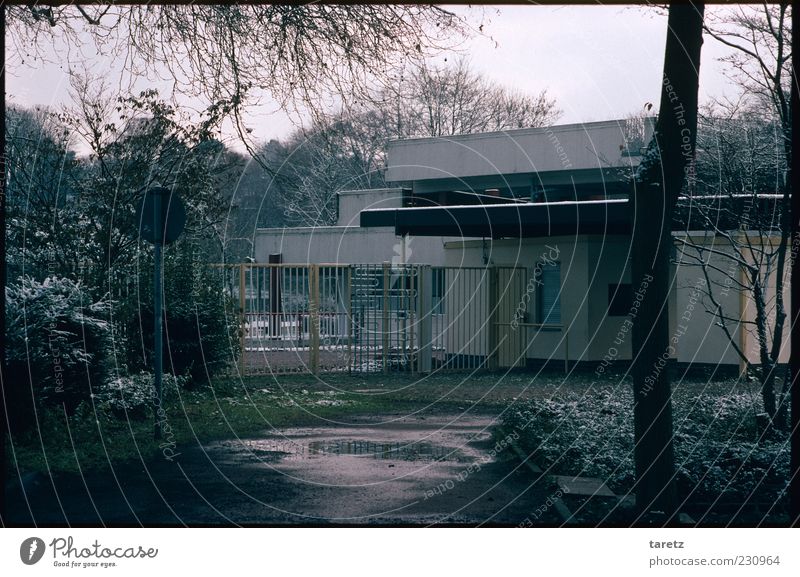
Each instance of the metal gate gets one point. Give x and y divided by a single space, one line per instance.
371 318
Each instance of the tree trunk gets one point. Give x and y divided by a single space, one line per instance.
659 181
768 390
767 371
794 373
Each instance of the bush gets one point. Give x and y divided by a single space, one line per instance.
132 397
200 338
57 345
587 436
718 450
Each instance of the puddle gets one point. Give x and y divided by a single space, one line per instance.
271 449
396 451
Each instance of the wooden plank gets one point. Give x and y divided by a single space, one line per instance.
585 486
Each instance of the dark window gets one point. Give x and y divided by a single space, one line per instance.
620 297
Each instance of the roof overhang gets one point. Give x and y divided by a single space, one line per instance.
519 220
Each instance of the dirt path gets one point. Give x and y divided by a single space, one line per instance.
412 470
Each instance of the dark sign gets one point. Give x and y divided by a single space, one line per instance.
161 216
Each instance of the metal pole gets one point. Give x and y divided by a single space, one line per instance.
349 318
385 319
157 316
243 312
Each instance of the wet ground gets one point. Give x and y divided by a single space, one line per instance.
439 469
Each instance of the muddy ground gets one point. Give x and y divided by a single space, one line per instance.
409 470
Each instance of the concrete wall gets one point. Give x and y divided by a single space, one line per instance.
705 341
346 245
352 202
571 147
608 264
597 262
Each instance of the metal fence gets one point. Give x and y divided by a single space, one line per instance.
370 318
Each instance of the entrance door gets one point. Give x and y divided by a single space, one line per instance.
514 307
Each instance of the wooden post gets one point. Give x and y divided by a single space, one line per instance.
313 320
385 319
742 327
424 319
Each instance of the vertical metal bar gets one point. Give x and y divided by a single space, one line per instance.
491 342
462 343
157 318
349 317
566 347
412 309
313 317
248 278
385 319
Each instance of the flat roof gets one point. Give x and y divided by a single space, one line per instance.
516 220
596 151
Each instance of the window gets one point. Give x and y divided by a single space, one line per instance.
549 301
620 297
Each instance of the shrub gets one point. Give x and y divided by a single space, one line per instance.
718 450
585 435
132 396
200 326
57 344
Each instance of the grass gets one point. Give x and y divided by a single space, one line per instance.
94 437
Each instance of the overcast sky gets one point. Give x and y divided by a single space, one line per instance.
598 62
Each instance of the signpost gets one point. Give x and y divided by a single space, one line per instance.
161 216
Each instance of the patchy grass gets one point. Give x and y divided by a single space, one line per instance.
95 436
229 408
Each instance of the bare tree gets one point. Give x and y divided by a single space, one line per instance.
348 151
659 180
303 55
741 191
314 165
442 101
